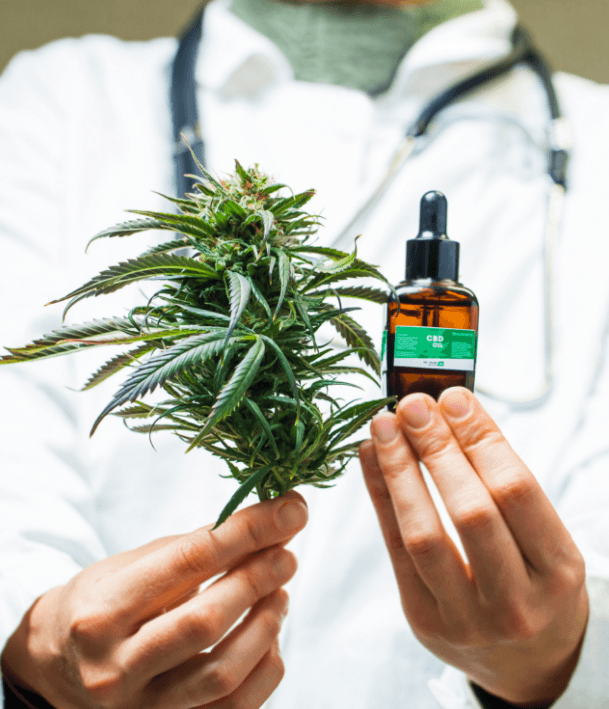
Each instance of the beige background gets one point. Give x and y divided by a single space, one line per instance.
573 33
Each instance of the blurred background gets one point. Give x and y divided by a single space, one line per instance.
572 33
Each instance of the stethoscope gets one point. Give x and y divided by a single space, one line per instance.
186 123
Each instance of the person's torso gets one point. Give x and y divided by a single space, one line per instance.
346 642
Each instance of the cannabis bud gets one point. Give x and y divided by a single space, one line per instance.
230 336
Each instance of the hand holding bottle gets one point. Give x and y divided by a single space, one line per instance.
514 617
128 632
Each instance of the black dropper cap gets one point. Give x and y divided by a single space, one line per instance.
432 254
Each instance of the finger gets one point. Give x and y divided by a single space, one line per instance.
433 552
417 599
208 677
160 578
259 686
124 558
172 638
185 598
193 593
493 554
532 519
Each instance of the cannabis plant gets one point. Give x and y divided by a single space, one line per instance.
230 335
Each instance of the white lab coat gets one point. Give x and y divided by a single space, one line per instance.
85 132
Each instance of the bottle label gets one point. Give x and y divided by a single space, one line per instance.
434 348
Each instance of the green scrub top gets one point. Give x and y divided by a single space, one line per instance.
352 44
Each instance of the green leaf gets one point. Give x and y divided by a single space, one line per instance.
239 291
294 202
243 174
268 218
70 345
115 364
302 311
358 269
255 409
283 263
129 228
329 313
127 272
163 366
136 411
167 247
202 169
186 223
349 450
364 413
201 185
154 427
243 491
298 430
355 410
186 205
260 298
301 199
285 364
233 208
230 397
355 336
73 338
338 264
374 295
351 370
325 383
318 365
200 312
320 251
271 188
326 397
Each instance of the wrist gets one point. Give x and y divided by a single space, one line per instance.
529 684
16 697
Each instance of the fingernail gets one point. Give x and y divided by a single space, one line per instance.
417 413
292 514
456 403
384 428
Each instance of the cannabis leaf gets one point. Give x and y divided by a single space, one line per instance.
229 336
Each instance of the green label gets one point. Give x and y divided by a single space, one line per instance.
431 347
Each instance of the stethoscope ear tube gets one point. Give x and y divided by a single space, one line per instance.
522 51
184 105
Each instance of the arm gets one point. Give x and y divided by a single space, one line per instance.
130 631
47 533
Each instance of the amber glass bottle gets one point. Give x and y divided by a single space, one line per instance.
430 339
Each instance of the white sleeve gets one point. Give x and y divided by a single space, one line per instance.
584 507
47 510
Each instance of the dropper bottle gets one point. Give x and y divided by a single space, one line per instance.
430 340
